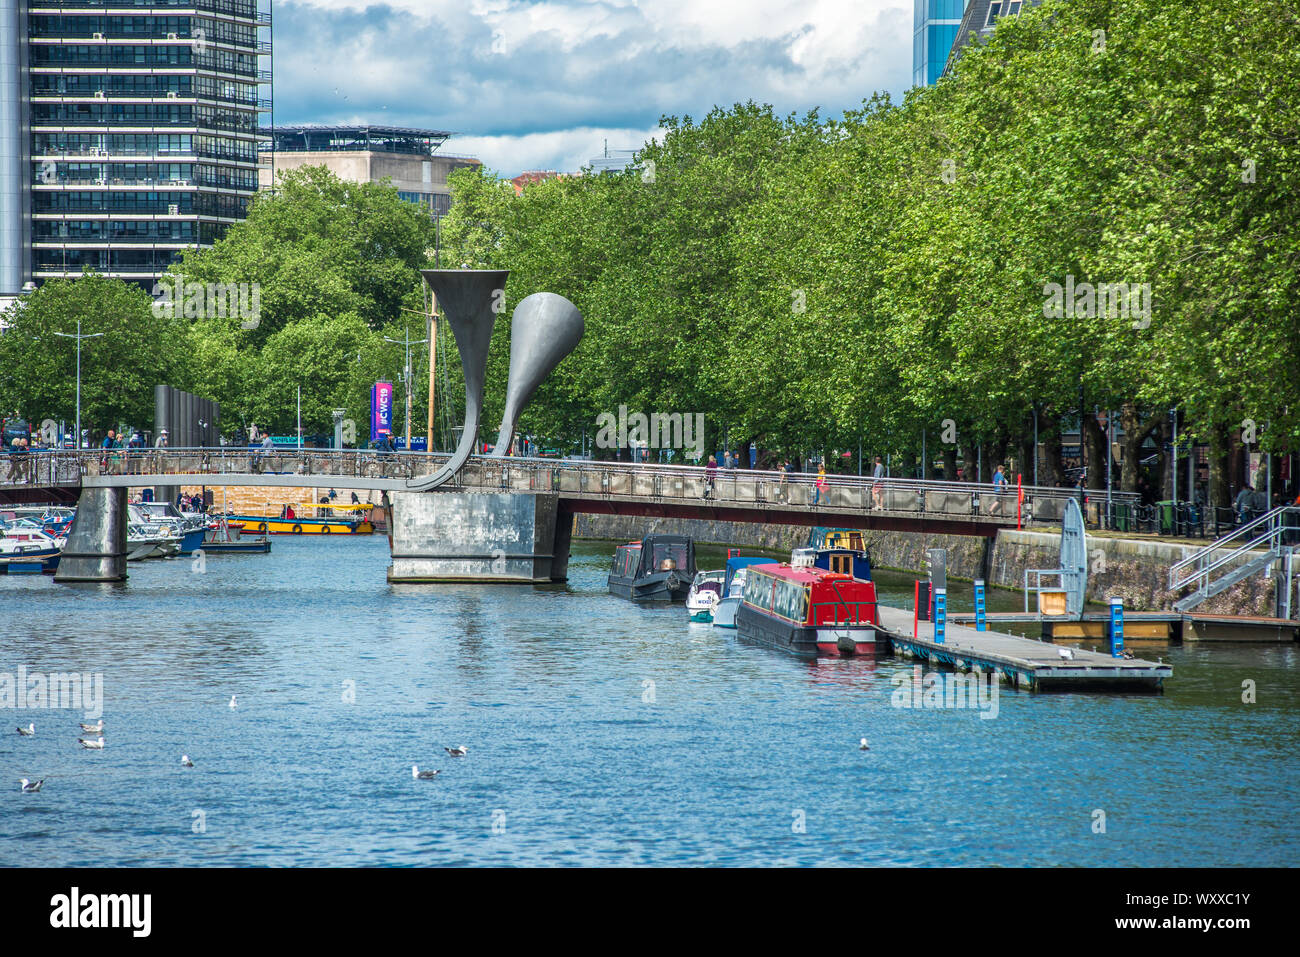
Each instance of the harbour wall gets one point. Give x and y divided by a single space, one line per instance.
1136 570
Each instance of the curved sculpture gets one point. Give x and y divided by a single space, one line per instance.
543 330
467 298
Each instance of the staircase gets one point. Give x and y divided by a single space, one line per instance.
1251 549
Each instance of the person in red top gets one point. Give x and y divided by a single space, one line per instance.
710 475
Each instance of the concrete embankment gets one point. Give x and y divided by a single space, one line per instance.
1136 570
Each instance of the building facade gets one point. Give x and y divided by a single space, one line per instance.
935 24
980 19
407 158
130 132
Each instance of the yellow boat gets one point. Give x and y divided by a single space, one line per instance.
309 519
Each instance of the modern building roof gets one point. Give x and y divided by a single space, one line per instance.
977 23
310 138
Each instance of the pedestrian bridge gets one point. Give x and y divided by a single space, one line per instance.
518 511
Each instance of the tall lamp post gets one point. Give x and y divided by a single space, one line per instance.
408 341
78 336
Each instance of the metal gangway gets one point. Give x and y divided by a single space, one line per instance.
1251 549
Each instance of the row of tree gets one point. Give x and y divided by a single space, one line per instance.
1096 212
1099 202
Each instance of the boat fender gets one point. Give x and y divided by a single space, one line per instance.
261 527
324 529
297 529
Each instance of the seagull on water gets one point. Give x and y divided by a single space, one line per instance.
232 703
28 787
95 728
863 746
186 762
96 744
422 775
28 731
457 752
1065 653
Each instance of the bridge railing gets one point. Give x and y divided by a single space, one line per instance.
585 477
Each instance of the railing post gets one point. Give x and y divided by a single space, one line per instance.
940 614
979 605
1117 627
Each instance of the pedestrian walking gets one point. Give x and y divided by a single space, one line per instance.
878 484
710 476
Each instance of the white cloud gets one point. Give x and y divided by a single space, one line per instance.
528 83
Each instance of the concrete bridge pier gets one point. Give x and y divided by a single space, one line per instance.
96 549
478 537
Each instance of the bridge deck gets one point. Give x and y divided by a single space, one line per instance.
582 486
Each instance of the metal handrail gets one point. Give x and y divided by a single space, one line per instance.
1274 528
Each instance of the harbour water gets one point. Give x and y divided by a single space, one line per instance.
599 733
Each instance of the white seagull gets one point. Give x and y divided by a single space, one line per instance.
863 746
1065 653
232 703
422 775
92 745
186 762
28 787
457 752
28 731
95 728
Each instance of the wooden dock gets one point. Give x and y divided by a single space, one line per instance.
1025 662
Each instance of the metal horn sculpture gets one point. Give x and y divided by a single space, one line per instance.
470 300
544 329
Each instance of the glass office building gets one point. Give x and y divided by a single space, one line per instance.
935 24
137 125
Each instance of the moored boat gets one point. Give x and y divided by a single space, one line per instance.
704 594
809 611
659 568
733 587
308 519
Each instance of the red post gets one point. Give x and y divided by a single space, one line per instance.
1020 497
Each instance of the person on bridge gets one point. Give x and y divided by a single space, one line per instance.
17 460
710 475
821 484
1000 485
877 484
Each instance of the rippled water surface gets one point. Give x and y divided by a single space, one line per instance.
599 732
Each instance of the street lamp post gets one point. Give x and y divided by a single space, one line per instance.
78 336
408 341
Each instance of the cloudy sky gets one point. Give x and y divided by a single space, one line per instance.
542 85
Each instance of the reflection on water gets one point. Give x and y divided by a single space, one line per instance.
599 732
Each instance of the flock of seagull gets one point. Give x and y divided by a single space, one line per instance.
28 786
97 744
90 744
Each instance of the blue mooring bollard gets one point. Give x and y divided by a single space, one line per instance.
940 614
980 624
1117 627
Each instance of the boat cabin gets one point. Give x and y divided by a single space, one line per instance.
810 597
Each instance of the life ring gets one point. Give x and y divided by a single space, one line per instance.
297 529
262 527
325 529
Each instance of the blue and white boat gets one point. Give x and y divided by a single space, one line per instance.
733 588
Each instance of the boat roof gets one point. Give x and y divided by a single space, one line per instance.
803 576
670 539
740 561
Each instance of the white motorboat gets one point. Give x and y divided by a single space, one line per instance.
705 591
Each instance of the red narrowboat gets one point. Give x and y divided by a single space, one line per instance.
809 611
